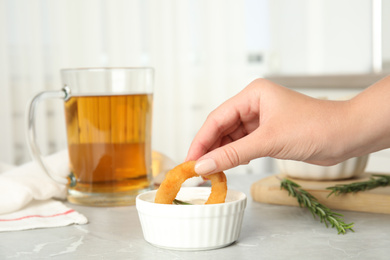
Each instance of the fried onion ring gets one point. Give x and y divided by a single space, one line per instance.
171 185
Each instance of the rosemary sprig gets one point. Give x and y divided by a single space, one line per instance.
376 180
180 202
310 202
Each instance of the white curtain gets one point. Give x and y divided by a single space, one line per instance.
198 50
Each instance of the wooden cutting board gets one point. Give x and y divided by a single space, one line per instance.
377 200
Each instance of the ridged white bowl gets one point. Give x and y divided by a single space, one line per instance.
191 227
350 168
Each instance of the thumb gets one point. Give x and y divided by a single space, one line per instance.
230 155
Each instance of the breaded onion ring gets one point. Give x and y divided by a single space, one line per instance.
171 185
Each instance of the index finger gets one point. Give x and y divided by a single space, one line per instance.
223 119
211 132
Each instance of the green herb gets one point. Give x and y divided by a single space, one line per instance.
310 202
376 180
180 202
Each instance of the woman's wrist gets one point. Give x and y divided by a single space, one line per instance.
370 119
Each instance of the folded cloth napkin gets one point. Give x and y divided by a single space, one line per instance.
26 196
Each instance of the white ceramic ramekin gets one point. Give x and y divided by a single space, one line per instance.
191 227
350 168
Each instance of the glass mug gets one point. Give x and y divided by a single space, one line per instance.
108 113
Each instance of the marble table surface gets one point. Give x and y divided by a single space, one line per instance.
268 232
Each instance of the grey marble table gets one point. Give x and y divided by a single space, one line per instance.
268 232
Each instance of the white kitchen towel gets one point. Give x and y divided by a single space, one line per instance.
21 188
41 214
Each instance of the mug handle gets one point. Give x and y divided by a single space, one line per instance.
31 133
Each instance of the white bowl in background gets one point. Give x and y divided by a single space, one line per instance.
191 227
352 167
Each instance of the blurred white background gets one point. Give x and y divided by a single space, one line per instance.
203 52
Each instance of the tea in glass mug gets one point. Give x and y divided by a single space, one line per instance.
108 113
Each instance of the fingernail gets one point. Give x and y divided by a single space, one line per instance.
205 166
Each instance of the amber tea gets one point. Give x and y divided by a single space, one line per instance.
108 114
109 143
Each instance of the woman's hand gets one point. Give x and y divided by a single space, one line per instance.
268 120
